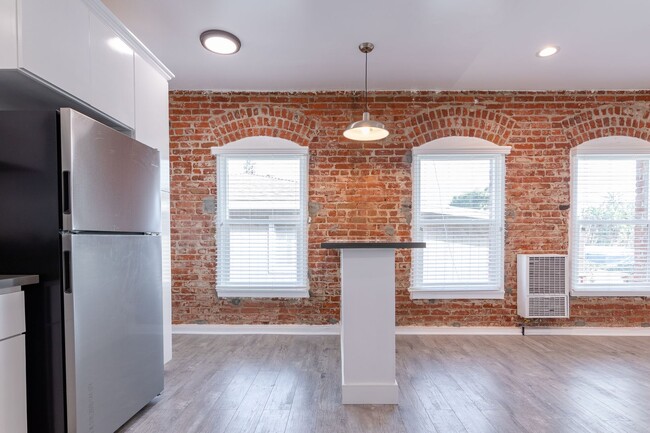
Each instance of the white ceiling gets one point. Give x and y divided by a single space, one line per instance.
419 44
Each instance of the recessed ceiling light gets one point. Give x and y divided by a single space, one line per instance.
220 42
548 51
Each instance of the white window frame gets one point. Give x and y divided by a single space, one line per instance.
261 146
608 148
467 146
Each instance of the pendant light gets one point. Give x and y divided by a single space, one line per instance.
366 129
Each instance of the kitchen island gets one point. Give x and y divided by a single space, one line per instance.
368 320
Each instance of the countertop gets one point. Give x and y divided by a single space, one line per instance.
8 283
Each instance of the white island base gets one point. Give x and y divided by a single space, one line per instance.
368 326
368 321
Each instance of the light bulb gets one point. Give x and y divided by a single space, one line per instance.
547 51
220 42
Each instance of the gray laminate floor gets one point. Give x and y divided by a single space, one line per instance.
448 384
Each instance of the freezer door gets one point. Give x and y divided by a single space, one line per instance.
109 182
113 328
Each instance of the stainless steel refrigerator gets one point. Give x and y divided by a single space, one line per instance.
80 206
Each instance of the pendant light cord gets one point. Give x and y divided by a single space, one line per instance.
366 82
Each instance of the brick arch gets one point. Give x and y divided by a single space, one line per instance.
489 125
263 121
608 120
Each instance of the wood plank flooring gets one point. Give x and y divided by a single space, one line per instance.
448 384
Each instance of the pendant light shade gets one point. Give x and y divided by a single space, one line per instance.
366 129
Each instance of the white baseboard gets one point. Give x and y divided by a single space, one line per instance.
369 393
257 329
457 330
587 331
408 330
335 330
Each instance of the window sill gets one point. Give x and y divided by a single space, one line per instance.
263 292
455 294
609 293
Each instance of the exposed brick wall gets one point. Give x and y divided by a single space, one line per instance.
363 190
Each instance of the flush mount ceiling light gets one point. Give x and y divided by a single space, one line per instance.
548 51
220 42
366 129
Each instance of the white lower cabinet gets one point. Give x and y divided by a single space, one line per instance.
13 403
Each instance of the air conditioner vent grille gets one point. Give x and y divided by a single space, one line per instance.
548 306
546 275
542 286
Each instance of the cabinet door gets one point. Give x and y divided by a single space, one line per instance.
152 114
13 405
165 237
111 72
12 314
53 43
8 45
152 129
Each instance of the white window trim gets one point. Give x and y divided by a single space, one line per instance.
264 145
261 145
456 294
261 292
458 146
606 147
609 293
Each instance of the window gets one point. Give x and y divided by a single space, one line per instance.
610 226
262 218
458 208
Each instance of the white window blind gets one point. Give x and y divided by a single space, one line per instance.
458 211
610 226
262 224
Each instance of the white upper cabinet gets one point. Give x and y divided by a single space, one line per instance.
152 113
111 72
8 35
53 43
82 56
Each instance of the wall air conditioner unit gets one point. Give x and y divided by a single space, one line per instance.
542 286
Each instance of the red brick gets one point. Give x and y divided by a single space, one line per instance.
362 188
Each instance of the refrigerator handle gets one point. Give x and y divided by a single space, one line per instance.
66 191
66 265
67 287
